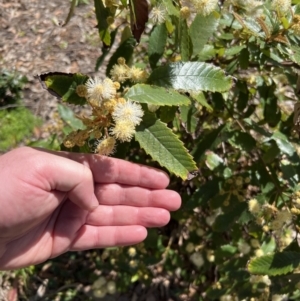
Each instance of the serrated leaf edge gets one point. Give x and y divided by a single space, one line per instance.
188 155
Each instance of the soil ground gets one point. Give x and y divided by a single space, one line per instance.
32 42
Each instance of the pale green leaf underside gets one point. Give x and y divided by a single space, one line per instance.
164 147
191 76
156 95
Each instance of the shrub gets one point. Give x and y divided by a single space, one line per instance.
11 85
220 83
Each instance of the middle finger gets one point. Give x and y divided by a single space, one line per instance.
115 194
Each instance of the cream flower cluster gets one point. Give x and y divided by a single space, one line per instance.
204 7
100 90
158 14
113 117
121 72
282 6
126 116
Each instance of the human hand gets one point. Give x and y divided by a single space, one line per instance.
54 202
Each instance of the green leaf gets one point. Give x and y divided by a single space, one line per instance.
200 98
271 152
272 113
228 249
184 41
275 264
69 117
224 221
163 146
244 58
188 117
269 245
201 29
253 27
290 172
126 34
283 143
208 141
105 50
157 43
102 13
156 95
234 50
63 85
203 195
255 127
172 10
243 96
207 53
167 114
191 76
242 140
296 54
285 284
226 201
226 36
213 160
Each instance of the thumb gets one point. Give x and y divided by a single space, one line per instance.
54 173
75 179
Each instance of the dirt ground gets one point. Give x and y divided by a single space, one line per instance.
32 41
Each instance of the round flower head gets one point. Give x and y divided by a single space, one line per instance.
197 259
244 248
132 252
284 216
158 14
190 247
81 90
100 90
185 12
109 88
106 146
205 7
123 130
119 73
282 6
254 206
259 252
133 264
128 111
137 75
296 29
111 287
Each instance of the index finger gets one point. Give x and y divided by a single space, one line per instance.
111 170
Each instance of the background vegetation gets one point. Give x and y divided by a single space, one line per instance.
16 122
236 63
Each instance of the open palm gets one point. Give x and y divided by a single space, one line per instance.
52 203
